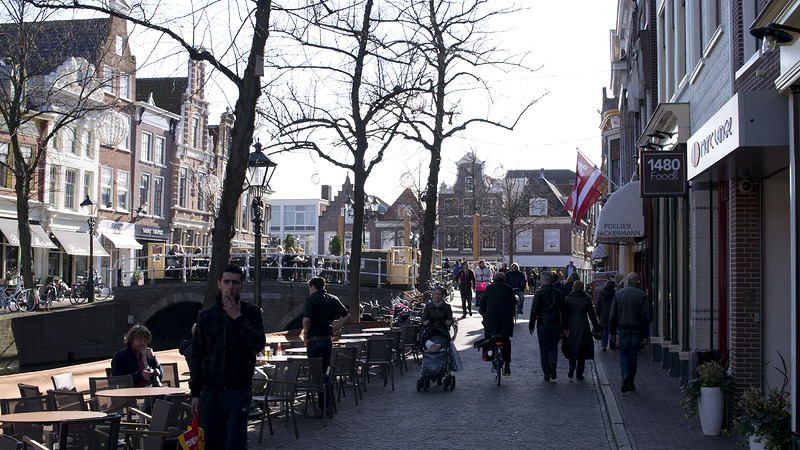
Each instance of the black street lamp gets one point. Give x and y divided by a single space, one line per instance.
259 171
89 207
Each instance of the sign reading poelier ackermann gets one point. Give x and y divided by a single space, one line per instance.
664 173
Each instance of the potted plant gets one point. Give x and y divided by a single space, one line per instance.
764 421
137 277
707 395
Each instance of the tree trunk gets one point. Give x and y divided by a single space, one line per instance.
354 268
22 187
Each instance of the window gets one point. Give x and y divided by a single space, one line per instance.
524 241
466 234
537 207
55 183
88 181
488 239
88 144
552 240
489 206
244 216
469 183
468 211
196 132
119 44
122 189
451 238
106 190
451 206
126 144
158 196
144 189
300 217
69 143
147 146
69 188
160 150
182 180
201 192
124 85
5 171
108 76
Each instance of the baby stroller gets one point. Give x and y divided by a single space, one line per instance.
436 359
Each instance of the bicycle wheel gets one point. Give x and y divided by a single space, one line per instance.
49 297
498 357
29 299
78 294
101 291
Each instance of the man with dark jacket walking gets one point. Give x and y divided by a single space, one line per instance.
548 306
629 321
466 284
497 308
518 283
228 336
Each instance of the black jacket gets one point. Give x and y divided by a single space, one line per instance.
497 308
125 362
548 307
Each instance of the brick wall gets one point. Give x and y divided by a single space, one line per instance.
745 282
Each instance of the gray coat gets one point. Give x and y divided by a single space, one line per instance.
578 345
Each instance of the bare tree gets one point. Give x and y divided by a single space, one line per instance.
46 84
242 66
357 81
448 38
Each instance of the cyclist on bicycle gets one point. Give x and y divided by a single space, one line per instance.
518 283
497 308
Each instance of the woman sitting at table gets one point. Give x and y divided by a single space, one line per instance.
138 359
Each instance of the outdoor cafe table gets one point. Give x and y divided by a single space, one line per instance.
295 350
280 358
357 335
349 341
376 330
141 392
45 417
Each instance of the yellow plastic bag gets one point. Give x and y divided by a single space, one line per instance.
192 439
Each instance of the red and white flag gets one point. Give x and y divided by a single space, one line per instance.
586 189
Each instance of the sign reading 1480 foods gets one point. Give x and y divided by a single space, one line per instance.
664 173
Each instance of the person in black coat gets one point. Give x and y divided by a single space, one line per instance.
547 310
578 345
497 308
603 309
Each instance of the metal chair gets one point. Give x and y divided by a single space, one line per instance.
68 400
26 404
281 389
28 390
152 435
9 443
312 382
409 335
63 382
345 370
170 375
379 353
110 404
85 434
397 347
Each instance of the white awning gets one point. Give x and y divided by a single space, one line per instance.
39 238
599 251
621 219
76 243
123 241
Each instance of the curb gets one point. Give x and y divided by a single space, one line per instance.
618 429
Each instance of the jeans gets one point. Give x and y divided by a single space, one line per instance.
548 346
223 417
629 341
604 337
321 348
466 302
520 299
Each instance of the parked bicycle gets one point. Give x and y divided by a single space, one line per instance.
80 290
55 291
16 297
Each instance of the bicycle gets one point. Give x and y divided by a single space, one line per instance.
18 299
80 291
497 361
55 291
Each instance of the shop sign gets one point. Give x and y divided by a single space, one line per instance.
664 174
152 233
715 139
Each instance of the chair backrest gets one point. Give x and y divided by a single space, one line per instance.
90 434
351 328
28 390
379 350
27 404
63 382
284 371
344 360
409 334
106 403
359 346
309 374
158 422
9 443
109 372
170 374
394 335
68 400
180 415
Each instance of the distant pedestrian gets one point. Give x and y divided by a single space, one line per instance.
578 345
518 283
546 317
503 268
629 321
483 277
571 278
603 308
569 269
466 284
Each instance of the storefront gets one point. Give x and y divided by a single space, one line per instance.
120 242
9 247
72 257
147 235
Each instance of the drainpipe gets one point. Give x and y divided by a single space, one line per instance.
794 217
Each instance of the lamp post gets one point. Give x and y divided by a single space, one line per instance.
90 208
259 171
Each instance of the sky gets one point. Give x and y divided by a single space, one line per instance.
568 45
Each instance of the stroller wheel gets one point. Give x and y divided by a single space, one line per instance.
452 383
419 384
427 385
446 383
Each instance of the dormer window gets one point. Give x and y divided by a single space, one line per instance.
538 207
469 183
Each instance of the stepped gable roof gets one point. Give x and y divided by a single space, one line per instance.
168 93
54 41
555 176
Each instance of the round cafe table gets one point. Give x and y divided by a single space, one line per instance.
49 416
349 341
295 350
376 330
357 335
281 358
141 392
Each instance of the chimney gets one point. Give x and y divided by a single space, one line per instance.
327 192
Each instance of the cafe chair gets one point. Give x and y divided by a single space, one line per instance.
153 434
281 389
68 400
9 443
63 382
170 375
180 416
28 390
110 404
379 353
351 328
84 434
344 361
397 349
312 382
21 405
409 335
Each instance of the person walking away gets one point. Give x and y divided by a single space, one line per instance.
629 322
483 277
229 335
604 300
578 343
466 284
497 308
518 283
571 278
546 316
323 316
137 359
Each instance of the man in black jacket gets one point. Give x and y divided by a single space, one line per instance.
497 308
629 320
548 306
229 335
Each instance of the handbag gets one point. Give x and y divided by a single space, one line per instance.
597 334
480 287
192 439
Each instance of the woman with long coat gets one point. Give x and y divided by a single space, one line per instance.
578 345
497 308
603 309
